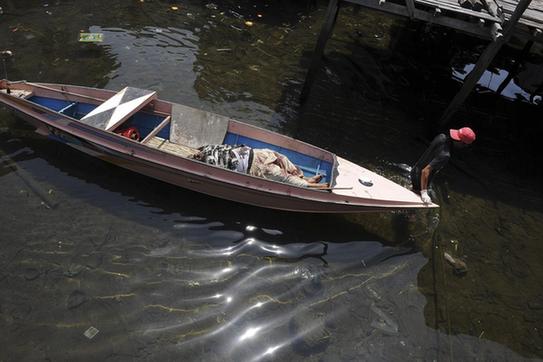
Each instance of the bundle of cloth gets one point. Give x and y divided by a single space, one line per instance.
263 163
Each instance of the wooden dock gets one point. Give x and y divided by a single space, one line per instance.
485 23
493 20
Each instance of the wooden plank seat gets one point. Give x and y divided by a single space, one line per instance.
117 109
170 147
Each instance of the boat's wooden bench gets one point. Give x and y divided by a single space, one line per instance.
170 147
19 93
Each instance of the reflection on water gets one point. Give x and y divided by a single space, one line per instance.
171 284
493 80
163 273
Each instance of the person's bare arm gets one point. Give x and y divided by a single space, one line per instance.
323 186
424 176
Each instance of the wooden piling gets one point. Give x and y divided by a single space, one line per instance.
326 32
482 64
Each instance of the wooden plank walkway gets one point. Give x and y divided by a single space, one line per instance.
451 14
532 17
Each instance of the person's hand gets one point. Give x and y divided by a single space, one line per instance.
425 197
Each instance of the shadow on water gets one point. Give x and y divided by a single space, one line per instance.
391 91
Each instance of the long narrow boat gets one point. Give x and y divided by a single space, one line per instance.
135 130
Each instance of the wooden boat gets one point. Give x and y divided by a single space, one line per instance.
99 122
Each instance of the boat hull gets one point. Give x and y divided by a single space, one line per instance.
187 173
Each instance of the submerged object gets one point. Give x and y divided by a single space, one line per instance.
88 119
459 266
91 332
309 332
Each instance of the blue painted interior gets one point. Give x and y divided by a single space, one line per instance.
144 122
75 110
54 104
309 165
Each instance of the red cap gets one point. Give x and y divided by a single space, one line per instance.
465 135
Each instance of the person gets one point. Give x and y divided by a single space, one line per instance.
263 163
436 157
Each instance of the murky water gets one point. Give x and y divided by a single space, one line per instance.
166 274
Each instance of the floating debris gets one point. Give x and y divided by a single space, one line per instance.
454 242
235 14
91 332
72 270
311 283
272 231
249 23
76 299
174 8
91 37
384 323
460 267
211 6
31 274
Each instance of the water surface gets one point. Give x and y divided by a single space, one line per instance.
166 274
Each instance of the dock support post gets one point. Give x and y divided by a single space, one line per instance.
326 32
482 64
410 4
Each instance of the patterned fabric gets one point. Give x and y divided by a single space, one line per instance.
263 163
234 157
275 166
244 155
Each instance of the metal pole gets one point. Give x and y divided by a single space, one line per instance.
483 62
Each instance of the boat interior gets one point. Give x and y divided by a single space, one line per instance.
182 131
